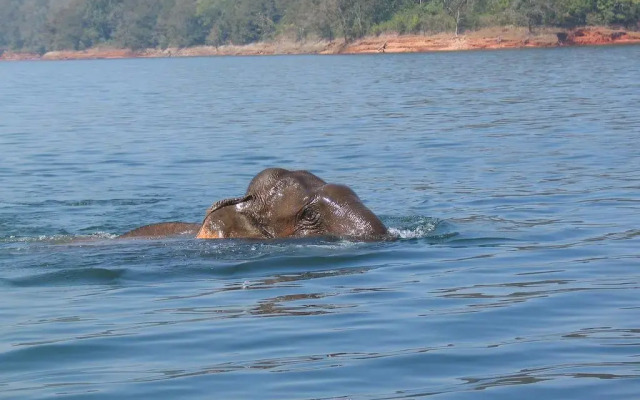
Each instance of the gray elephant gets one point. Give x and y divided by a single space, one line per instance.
281 204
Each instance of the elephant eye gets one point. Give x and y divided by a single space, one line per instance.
309 215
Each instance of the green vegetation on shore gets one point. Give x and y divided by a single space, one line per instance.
44 25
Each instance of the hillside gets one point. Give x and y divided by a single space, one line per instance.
160 27
497 38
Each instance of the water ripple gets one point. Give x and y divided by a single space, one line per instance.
513 205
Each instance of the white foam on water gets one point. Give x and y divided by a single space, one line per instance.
100 235
58 238
418 232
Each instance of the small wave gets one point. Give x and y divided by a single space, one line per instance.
97 235
416 233
416 227
68 276
58 238
93 202
413 227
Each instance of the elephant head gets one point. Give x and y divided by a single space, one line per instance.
281 203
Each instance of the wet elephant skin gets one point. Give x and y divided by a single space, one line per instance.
280 204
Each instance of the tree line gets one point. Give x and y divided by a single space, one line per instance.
44 25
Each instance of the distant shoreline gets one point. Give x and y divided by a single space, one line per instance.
489 39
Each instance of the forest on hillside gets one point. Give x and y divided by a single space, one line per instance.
45 25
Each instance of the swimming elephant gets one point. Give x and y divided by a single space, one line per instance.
280 204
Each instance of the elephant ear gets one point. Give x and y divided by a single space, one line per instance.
224 203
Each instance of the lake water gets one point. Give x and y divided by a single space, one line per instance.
511 179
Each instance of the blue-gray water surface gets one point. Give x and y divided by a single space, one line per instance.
511 180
